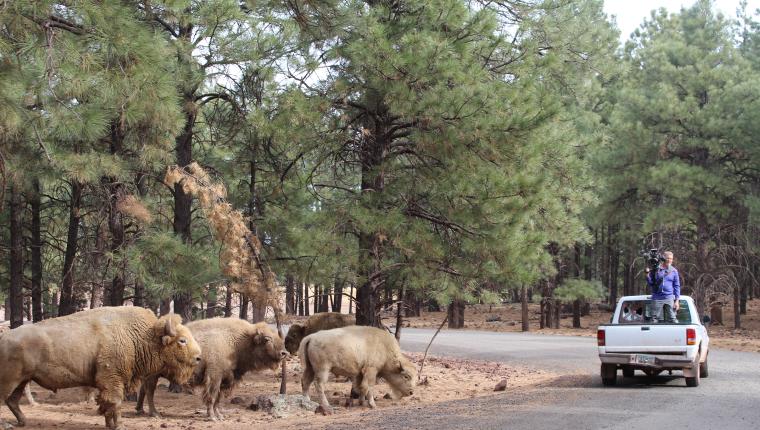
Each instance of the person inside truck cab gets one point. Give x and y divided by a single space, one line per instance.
665 284
632 316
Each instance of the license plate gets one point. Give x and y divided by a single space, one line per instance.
645 359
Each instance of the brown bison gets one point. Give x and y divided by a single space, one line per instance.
359 353
231 348
315 323
111 348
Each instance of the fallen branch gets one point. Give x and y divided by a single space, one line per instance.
422 365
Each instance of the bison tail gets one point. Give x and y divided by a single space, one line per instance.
303 352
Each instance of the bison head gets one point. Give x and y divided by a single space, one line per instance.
294 337
267 348
180 353
402 378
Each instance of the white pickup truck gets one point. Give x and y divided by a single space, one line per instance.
634 339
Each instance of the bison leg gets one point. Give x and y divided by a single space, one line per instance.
369 378
29 396
109 400
12 402
320 381
217 401
148 389
211 393
306 380
354 393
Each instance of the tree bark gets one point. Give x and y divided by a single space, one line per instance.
299 298
290 295
183 306
399 316
737 308
542 314
243 314
614 261
524 308
139 300
165 306
324 301
577 313
337 303
259 312
211 302
16 291
183 201
35 202
456 314
228 302
351 298
116 223
372 152
101 242
66 305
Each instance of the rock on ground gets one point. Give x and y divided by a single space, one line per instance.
282 406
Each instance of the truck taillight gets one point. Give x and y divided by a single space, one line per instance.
691 336
600 337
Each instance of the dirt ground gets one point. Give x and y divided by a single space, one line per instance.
507 318
446 379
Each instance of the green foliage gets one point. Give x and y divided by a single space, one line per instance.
573 289
167 265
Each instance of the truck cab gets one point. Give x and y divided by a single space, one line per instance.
635 339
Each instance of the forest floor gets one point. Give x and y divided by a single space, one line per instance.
507 318
447 379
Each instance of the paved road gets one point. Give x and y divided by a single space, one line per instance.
728 399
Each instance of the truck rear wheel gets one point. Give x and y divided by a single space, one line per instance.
609 374
693 381
703 373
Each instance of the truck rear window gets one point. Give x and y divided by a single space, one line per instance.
645 312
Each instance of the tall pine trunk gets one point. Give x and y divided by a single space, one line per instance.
228 302
101 242
139 298
337 303
183 201
16 291
290 286
299 298
115 296
255 212
243 312
456 314
577 313
66 304
35 202
614 260
524 308
324 300
211 302
374 146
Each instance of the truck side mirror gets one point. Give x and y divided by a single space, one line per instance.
706 319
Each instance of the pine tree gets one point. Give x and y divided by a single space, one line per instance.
684 124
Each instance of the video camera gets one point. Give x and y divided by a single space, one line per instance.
654 258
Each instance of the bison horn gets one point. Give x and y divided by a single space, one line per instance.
169 330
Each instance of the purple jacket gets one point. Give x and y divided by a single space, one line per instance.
669 284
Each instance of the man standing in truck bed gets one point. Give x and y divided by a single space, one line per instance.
665 284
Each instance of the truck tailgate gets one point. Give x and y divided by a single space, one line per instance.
636 338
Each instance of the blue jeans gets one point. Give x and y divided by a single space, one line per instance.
666 307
